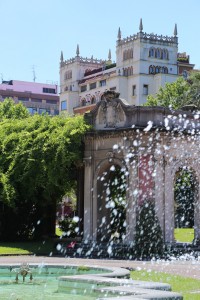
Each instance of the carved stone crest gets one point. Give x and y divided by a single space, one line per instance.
110 112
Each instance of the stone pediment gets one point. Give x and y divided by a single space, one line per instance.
109 113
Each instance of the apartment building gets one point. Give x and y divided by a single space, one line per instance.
37 97
144 63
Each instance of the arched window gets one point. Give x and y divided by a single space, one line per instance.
125 54
131 53
68 74
83 102
152 69
93 100
157 70
151 52
165 54
125 72
158 53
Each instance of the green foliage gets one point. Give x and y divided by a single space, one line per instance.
178 94
194 88
174 95
69 227
39 159
10 110
184 199
148 239
117 199
83 268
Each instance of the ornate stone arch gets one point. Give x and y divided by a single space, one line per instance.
170 173
101 170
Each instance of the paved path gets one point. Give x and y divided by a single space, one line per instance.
184 268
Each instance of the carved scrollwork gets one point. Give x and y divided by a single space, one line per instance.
110 156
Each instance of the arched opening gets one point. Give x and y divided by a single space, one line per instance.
111 205
185 193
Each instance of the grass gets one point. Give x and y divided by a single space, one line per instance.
188 287
184 235
59 232
21 248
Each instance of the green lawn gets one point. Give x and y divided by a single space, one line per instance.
38 248
184 235
188 287
59 232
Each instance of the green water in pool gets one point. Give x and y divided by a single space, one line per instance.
44 284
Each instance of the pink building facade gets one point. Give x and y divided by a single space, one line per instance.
37 97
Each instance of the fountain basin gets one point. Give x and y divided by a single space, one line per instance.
79 283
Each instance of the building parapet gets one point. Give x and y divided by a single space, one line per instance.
83 60
150 37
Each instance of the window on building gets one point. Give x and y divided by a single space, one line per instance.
42 111
23 99
113 88
93 100
157 69
83 88
68 74
102 82
134 90
36 100
83 102
63 105
151 52
93 85
49 91
165 70
145 89
51 101
127 54
56 112
165 54
32 110
152 69
159 53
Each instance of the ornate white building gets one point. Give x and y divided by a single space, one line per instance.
144 62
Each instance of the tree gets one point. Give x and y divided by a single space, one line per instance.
148 239
184 198
39 159
118 204
178 94
10 110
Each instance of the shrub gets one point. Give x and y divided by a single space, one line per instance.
69 226
149 239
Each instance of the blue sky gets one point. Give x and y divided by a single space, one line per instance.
34 32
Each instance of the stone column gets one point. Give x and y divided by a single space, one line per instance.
197 213
88 209
169 205
132 198
159 191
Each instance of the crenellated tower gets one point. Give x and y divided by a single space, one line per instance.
143 58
